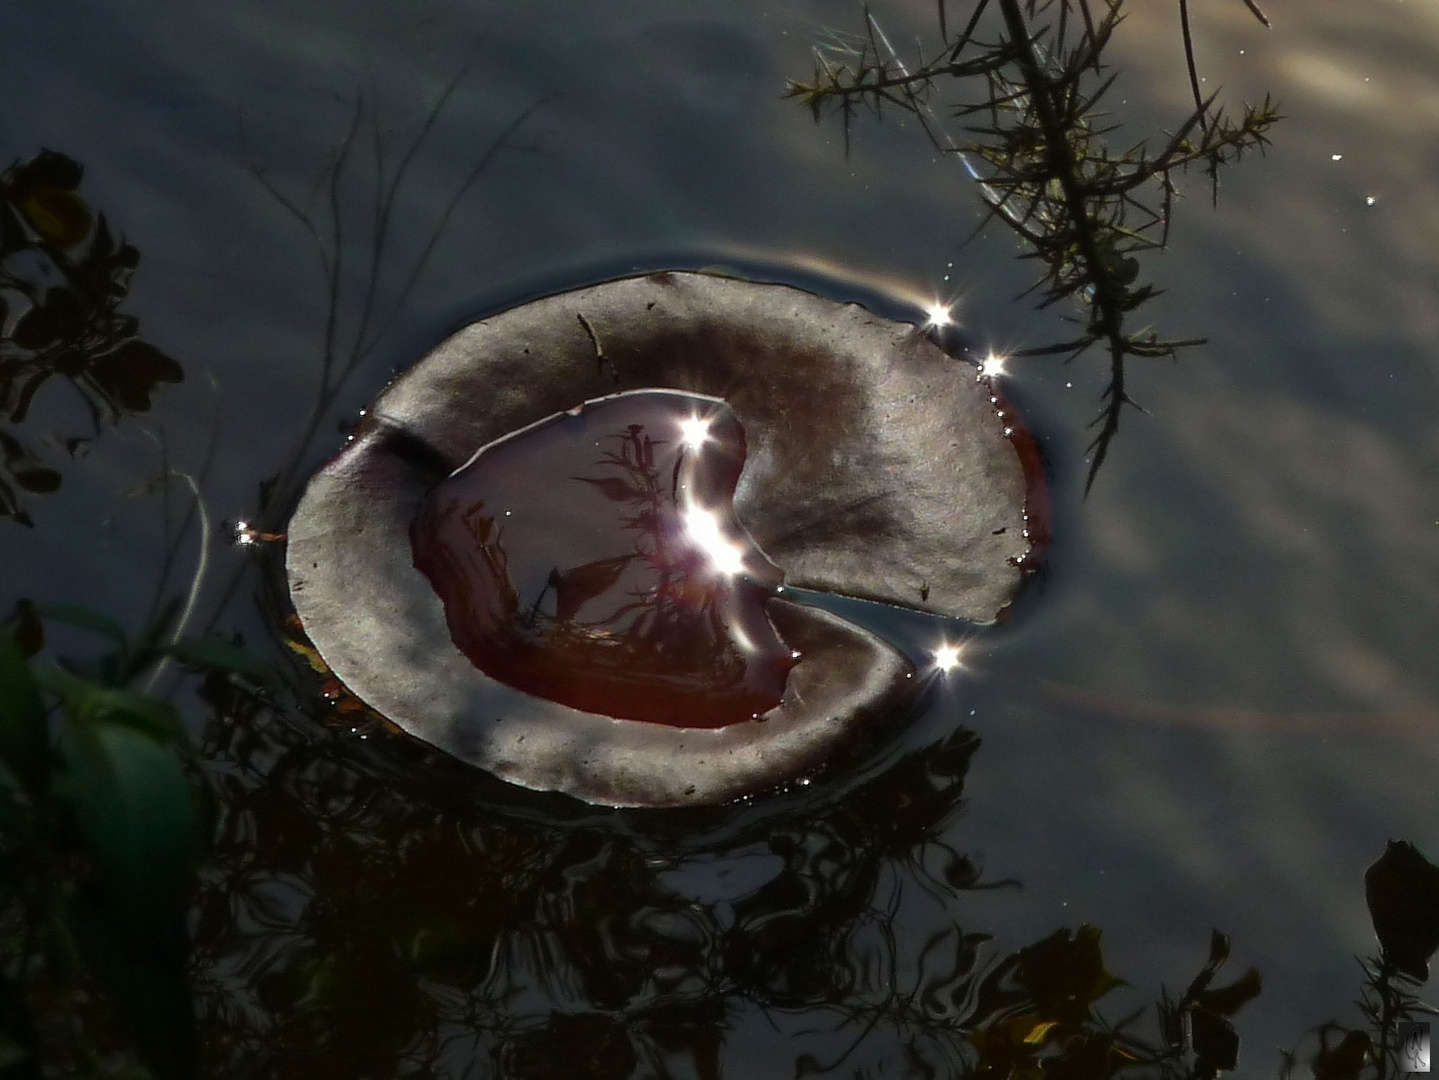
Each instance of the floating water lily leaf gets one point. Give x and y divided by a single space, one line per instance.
877 463
873 465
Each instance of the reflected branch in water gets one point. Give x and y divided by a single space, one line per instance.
372 909
389 913
336 227
1034 1012
355 325
1036 142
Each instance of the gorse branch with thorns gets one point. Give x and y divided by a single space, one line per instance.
1036 142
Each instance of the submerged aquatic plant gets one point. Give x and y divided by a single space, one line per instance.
1038 143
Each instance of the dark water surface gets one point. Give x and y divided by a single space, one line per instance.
1211 712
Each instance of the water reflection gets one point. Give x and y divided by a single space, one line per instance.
403 916
594 559
390 914
1036 147
63 277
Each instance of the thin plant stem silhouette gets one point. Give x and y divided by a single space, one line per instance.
328 229
331 228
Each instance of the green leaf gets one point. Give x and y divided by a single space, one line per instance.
87 620
135 810
146 980
217 654
60 217
24 734
18 1057
92 701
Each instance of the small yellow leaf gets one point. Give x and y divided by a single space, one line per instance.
309 654
60 217
1039 1031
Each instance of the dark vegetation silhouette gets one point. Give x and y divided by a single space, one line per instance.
64 276
365 906
1026 80
102 826
337 936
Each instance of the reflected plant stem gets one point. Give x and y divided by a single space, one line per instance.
1383 983
1110 320
342 354
173 536
197 580
1386 1004
338 366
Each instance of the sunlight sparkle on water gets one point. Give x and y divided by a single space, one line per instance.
992 366
939 315
724 555
694 431
946 657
